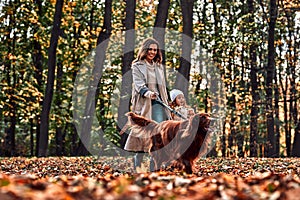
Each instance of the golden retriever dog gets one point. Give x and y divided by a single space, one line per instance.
178 141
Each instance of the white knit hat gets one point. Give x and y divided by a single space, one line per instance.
174 93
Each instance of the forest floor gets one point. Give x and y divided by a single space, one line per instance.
108 178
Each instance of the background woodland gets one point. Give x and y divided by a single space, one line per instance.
44 45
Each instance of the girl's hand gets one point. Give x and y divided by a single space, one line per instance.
191 112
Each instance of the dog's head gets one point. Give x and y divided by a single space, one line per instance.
198 124
201 120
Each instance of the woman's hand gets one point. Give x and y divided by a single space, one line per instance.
151 95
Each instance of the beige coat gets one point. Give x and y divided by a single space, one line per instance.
142 105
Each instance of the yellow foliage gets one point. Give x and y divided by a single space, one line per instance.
67 8
180 29
73 4
10 56
33 20
70 18
64 22
53 2
76 24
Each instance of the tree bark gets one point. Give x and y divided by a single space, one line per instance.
31 138
43 140
10 72
277 124
38 74
254 86
270 144
59 135
126 87
182 81
160 24
296 143
102 44
216 28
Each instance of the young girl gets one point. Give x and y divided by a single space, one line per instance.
179 104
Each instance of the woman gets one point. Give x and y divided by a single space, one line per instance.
148 84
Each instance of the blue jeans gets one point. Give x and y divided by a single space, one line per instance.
158 112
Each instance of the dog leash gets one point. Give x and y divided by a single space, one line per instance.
169 108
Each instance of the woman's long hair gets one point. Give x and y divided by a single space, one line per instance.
142 53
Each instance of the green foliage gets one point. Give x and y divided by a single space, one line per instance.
106 108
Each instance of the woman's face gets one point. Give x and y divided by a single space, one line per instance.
151 52
180 100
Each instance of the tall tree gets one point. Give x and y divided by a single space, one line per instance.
295 97
10 73
270 71
254 84
288 84
160 24
44 134
59 135
216 29
38 70
296 143
128 56
97 71
182 81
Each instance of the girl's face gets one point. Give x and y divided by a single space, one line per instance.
151 52
180 100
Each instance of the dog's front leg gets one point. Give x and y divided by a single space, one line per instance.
188 166
157 161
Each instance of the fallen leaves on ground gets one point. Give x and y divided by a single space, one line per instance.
84 178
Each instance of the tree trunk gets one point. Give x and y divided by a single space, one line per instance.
213 152
232 134
73 139
296 143
38 72
160 24
126 87
271 145
59 137
284 84
37 60
10 72
223 140
31 138
277 123
182 81
102 44
43 140
254 86
294 84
